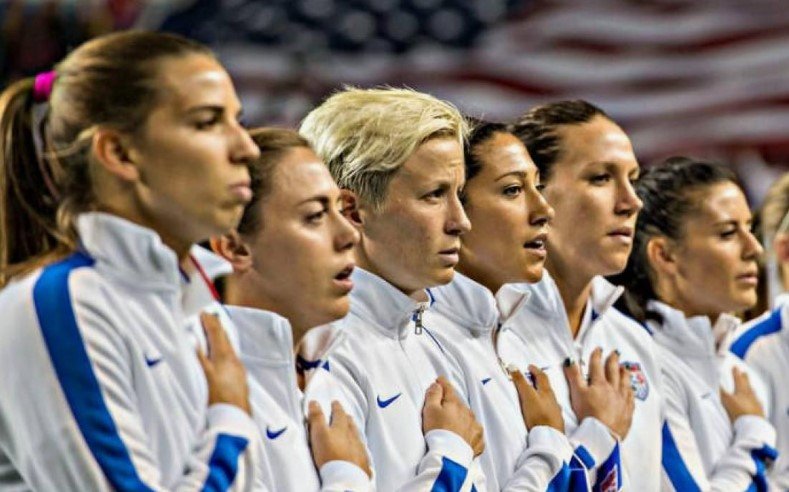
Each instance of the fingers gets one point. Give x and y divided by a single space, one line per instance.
434 395
541 382
741 383
525 390
216 338
203 360
612 373
726 398
572 372
596 374
625 387
449 391
315 416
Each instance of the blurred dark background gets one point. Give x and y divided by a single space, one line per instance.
708 78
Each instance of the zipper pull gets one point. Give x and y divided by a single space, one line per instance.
417 319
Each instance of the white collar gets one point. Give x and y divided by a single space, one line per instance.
467 303
136 255
375 300
692 336
263 335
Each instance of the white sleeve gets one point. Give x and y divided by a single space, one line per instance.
742 466
598 452
344 476
75 422
547 463
447 460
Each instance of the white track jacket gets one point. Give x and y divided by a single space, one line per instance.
100 385
702 450
536 331
379 365
514 459
764 344
266 348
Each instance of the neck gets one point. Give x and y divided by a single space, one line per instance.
574 288
667 294
179 245
479 276
241 291
364 262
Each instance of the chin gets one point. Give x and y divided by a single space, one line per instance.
533 275
746 300
442 277
614 265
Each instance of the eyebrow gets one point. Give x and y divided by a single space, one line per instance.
323 199
520 174
732 222
213 108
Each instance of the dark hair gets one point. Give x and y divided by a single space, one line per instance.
480 132
537 129
45 179
668 193
273 143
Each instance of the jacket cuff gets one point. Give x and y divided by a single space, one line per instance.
543 437
593 442
229 419
344 475
756 429
450 445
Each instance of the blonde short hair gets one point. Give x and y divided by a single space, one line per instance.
365 135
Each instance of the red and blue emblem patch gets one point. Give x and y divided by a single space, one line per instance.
638 380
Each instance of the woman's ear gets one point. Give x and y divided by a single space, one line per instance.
232 247
661 255
350 208
112 151
781 247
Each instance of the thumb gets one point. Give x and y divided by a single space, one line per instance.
434 395
315 417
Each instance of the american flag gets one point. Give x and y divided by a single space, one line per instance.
706 78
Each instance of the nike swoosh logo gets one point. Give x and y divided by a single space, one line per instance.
275 434
386 403
486 381
152 361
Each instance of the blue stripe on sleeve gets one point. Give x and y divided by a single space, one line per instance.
561 481
223 465
609 475
770 325
451 477
674 465
760 456
585 457
74 371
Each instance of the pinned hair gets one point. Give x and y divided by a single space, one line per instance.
668 191
45 177
538 127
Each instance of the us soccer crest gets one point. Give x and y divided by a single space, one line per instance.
638 380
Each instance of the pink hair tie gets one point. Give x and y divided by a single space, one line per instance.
42 86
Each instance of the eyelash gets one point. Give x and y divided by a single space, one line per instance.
435 194
314 218
513 190
600 178
206 124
